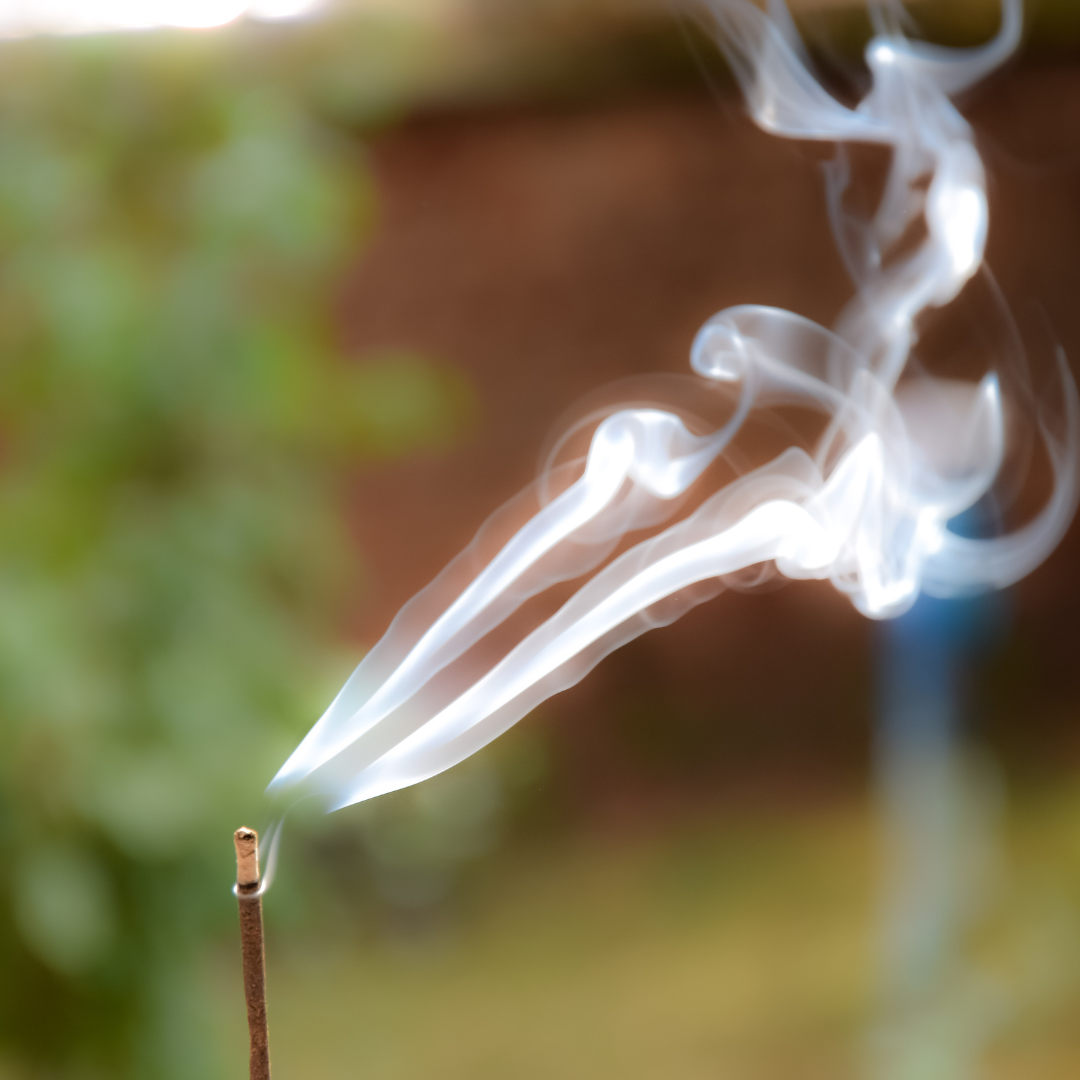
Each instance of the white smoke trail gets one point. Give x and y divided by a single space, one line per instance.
899 457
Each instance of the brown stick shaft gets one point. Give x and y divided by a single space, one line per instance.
251 940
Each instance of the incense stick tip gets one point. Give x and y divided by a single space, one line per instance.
247 856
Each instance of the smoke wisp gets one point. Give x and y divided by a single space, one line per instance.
867 506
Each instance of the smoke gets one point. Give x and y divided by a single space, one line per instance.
865 505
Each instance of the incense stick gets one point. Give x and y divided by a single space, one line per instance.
251 939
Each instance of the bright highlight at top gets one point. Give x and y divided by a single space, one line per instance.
25 18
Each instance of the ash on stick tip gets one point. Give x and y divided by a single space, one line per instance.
247 857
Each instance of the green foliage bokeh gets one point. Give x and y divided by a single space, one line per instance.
173 418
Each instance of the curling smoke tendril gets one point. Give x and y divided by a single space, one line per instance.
868 509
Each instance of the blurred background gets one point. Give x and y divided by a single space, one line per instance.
288 306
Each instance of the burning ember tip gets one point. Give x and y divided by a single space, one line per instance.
247 858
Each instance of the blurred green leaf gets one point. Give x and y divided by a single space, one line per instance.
174 425
63 907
